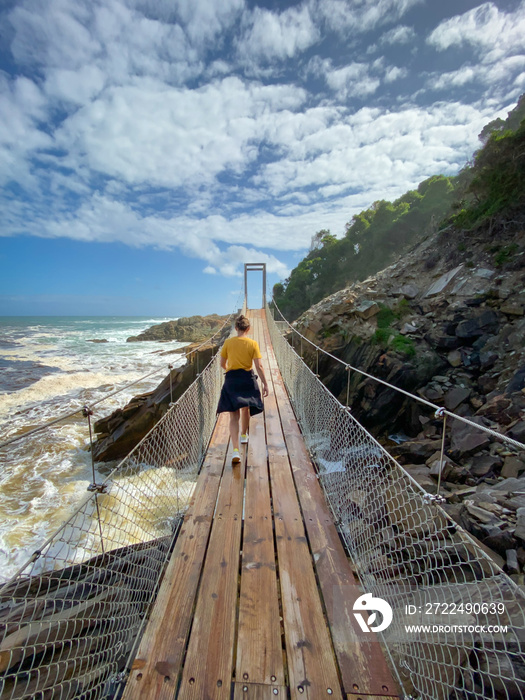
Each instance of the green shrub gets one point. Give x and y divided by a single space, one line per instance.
504 254
385 317
404 345
381 336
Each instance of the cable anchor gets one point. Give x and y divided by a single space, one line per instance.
98 488
434 498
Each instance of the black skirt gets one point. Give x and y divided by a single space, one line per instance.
240 390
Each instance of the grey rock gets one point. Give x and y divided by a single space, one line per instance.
441 284
366 309
484 273
517 383
512 561
500 541
408 328
520 524
512 309
454 358
517 432
409 291
485 464
469 441
456 396
512 467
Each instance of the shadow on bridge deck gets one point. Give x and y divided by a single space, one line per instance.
257 598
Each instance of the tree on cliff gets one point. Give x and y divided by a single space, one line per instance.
492 184
371 240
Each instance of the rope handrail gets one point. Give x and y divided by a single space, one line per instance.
440 411
65 416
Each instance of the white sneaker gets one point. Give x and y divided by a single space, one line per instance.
244 438
236 457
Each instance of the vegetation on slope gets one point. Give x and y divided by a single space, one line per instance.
492 185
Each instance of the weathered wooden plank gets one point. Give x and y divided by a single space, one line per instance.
312 667
253 691
208 665
156 668
361 658
259 648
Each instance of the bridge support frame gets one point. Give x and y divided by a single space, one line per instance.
254 267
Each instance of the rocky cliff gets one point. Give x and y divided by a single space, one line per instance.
185 329
448 323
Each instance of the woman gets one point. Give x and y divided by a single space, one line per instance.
240 395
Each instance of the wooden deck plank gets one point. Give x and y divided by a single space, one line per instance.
361 657
259 648
311 661
156 668
209 660
253 691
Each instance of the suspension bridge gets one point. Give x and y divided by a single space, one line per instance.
182 576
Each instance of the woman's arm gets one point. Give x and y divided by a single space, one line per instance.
223 362
260 372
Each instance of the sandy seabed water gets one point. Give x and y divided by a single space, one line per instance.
49 368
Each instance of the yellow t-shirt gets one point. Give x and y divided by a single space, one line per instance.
240 352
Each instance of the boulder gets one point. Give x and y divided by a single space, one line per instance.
512 309
366 309
418 451
520 524
468 441
454 358
517 432
495 409
484 273
512 561
512 467
455 396
517 383
442 283
481 466
409 291
500 541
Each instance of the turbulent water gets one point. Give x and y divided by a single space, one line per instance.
48 368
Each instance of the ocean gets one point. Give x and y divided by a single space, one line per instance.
49 367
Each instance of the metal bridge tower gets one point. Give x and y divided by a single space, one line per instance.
251 267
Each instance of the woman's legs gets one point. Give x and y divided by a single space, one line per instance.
244 414
245 420
234 428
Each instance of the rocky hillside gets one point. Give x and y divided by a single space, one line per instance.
447 322
186 329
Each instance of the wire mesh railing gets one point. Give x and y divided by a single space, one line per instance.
71 616
458 621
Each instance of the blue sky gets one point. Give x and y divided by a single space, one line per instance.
149 148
